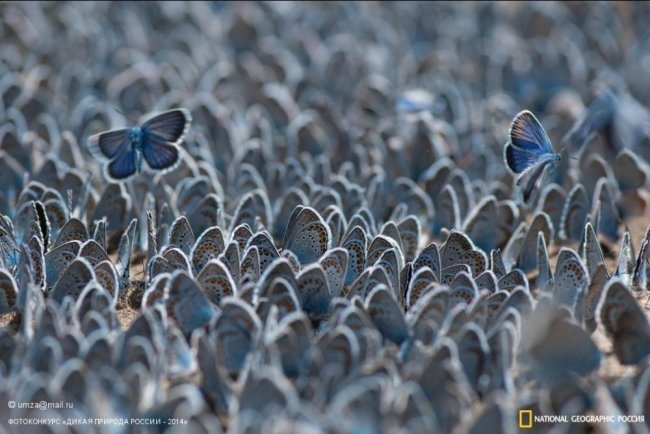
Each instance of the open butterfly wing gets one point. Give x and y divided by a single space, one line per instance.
158 153
109 144
169 126
122 166
161 135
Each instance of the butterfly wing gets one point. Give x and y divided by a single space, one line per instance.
123 165
109 144
169 126
161 135
529 177
527 133
518 160
159 154
528 142
596 118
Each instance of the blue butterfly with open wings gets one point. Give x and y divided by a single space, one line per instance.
154 141
529 151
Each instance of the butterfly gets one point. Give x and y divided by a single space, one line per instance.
156 141
414 101
529 151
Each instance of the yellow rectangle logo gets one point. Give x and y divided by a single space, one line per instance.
525 418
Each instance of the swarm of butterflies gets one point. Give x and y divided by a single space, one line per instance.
332 217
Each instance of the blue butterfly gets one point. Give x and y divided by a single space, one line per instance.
156 141
529 151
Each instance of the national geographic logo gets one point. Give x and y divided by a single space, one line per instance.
527 418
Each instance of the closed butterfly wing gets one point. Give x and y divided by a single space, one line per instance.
448 212
313 291
235 332
181 235
355 243
409 231
429 257
630 170
58 259
307 235
8 292
114 205
575 352
574 214
213 382
422 282
186 304
599 279
73 280
209 245
625 323
482 225
205 214
496 263
73 230
486 281
93 252
529 177
473 352
640 275
249 269
626 260
266 249
106 276
459 249
544 276
57 214
513 279
386 315
528 253
253 206
463 290
592 252
335 264
280 294
571 278
604 210
551 201
529 151
34 250
216 282
528 141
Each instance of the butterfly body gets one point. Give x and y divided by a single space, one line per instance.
529 153
136 138
154 141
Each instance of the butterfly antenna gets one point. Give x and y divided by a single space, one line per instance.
118 110
568 155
